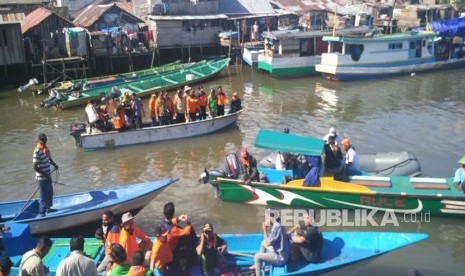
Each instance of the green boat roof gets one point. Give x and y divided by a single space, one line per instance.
280 141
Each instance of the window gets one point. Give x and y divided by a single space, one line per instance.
395 46
355 50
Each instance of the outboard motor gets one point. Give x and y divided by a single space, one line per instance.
75 130
27 85
231 169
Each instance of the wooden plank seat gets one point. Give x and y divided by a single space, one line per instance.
371 181
422 183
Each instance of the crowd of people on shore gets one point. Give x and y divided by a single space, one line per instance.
175 250
186 106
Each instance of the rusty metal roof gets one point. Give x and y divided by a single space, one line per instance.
36 17
12 17
92 13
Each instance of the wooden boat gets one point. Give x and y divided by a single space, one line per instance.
112 139
78 209
388 55
340 249
89 83
291 54
145 87
381 164
399 194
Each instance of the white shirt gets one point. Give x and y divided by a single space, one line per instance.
92 115
337 139
77 264
31 265
352 157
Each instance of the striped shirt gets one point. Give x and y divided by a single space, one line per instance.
43 161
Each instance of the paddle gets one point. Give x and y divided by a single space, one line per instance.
25 204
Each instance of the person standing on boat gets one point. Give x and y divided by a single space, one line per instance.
351 158
77 264
255 31
92 116
221 101
202 98
41 160
179 105
248 167
212 104
138 109
332 132
235 104
161 110
192 106
31 262
459 177
277 245
152 101
307 239
333 159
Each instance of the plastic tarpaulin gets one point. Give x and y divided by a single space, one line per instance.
279 141
449 28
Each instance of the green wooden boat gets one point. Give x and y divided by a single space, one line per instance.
144 87
403 195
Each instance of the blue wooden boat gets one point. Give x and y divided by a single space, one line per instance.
340 249
80 209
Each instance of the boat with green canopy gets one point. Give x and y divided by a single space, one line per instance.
146 86
399 194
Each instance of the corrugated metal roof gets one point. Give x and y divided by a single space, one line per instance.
187 17
36 17
93 12
13 17
234 7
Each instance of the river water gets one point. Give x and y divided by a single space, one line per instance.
423 114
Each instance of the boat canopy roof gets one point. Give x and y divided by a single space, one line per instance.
450 27
397 37
280 141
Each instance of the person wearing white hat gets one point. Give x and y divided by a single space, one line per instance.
459 177
128 237
332 132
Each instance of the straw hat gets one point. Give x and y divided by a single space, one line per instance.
126 217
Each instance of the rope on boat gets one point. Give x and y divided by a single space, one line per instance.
393 167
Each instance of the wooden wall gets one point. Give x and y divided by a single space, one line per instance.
11 45
173 34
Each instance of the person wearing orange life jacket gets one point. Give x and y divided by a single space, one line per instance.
152 101
119 122
202 104
169 106
137 265
249 167
192 106
162 110
222 100
129 235
108 233
162 255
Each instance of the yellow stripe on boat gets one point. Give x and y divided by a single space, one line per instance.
328 184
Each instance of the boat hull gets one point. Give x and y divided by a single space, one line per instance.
147 86
83 208
371 193
114 139
288 67
340 249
